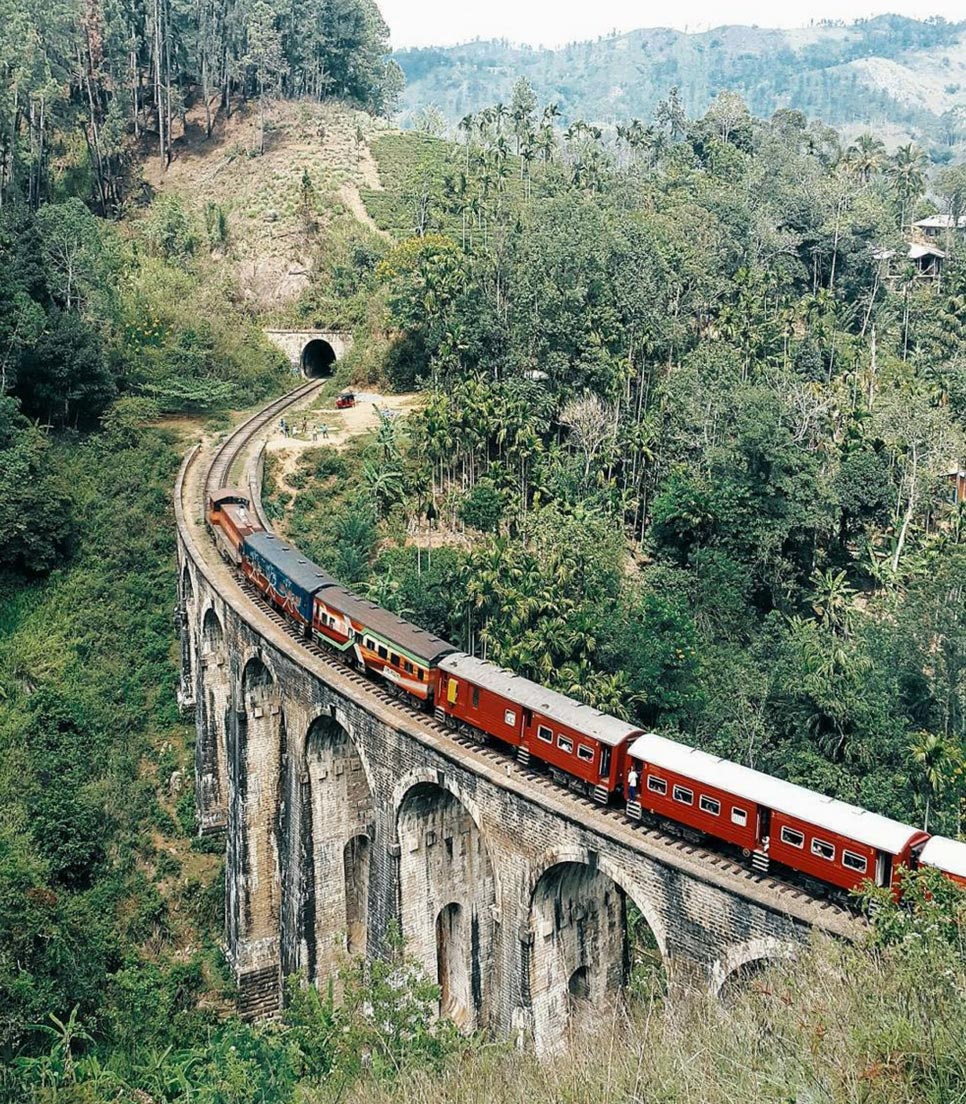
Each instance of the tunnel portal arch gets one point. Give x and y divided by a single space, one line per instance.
318 359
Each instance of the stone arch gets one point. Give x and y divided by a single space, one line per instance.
338 829
256 753
186 627
754 954
579 952
356 869
318 359
212 633
448 898
452 973
212 725
187 586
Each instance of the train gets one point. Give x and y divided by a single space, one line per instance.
826 843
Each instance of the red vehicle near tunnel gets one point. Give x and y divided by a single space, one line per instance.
584 745
775 821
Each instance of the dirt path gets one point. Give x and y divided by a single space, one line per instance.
342 426
349 194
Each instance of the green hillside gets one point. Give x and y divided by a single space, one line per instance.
901 76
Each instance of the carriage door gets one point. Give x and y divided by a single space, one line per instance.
605 762
764 824
883 869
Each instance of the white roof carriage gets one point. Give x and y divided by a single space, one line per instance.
531 695
784 797
945 854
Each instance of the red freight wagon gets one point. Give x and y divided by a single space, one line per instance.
230 522
946 855
379 641
830 840
573 738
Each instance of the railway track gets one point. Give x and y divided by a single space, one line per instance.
219 471
218 475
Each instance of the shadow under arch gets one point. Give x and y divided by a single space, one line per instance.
318 359
746 959
212 633
187 586
211 748
447 897
337 835
579 957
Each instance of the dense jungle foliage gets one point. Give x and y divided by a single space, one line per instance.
86 87
682 450
879 71
686 437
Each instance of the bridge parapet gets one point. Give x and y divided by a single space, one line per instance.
345 811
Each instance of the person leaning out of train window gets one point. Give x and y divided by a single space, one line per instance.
632 780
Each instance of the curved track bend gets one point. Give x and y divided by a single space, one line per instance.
207 468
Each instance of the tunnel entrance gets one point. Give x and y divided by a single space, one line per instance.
318 359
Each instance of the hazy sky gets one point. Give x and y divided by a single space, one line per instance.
554 22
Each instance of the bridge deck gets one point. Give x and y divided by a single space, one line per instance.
500 771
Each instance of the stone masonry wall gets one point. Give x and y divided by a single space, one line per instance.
341 818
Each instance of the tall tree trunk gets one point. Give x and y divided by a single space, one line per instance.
158 101
910 509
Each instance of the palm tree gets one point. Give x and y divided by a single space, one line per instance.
866 156
832 598
932 755
547 143
908 178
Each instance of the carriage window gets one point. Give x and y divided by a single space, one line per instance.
383 652
565 743
407 667
738 816
793 838
584 752
369 643
657 785
684 795
544 733
709 805
510 717
394 659
420 674
854 862
476 697
823 850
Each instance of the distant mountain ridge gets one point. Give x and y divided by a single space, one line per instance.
905 78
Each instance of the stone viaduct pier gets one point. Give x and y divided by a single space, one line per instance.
344 810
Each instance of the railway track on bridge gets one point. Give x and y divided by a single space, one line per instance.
673 850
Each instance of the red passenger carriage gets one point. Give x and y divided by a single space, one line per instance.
587 746
829 840
946 855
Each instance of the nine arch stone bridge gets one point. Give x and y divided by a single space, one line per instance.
344 811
